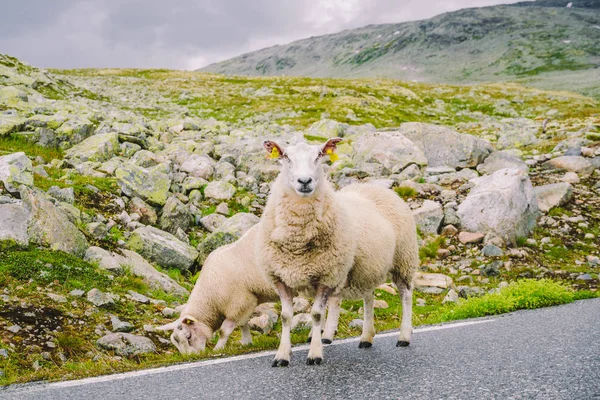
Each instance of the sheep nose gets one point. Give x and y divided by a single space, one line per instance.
304 181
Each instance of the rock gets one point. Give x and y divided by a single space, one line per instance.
212 222
16 170
444 147
553 195
356 323
73 130
470 291
100 147
390 149
219 190
97 230
515 133
169 312
144 210
451 297
10 124
14 328
120 326
386 287
470 237
503 203
76 293
301 321
423 279
104 259
126 344
162 248
66 195
57 297
48 226
421 302
149 184
491 250
262 324
199 166
500 160
429 217
584 277
449 231
269 309
175 215
326 128
222 209
492 269
301 305
140 298
100 299
13 223
570 177
380 304
239 224
579 165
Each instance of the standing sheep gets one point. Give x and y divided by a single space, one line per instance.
343 244
230 286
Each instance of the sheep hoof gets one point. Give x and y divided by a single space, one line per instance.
364 345
326 341
313 361
280 363
402 343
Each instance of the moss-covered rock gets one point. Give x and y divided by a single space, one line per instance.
149 184
99 147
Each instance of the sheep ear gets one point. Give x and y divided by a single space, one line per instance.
330 146
187 320
273 149
168 327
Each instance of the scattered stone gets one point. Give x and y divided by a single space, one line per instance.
584 277
14 328
387 287
301 321
223 209
421 303
162 248
169 312
301 305
429 217
66 195
218 190
492 269
392 150
451 297
212 222
356 323
149 184
423 279
57 297
262 324
104 259
570 177
175 215
126 344
449 231
100 299
140 298
499 160
120 326
13 223
380 304
553 195
470 237
577 164
16 170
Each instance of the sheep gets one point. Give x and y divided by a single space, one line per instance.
230 286
341 244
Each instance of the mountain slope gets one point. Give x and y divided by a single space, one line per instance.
537 43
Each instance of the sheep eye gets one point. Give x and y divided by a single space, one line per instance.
180 327
188 336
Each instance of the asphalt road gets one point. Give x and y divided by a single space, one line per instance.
551 353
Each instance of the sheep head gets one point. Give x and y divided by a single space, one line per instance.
189 335
302 169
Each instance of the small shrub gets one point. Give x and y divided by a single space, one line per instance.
405 192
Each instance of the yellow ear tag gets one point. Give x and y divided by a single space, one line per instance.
332 156
274 153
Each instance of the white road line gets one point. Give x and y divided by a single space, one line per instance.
204 363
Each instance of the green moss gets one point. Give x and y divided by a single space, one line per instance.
15 143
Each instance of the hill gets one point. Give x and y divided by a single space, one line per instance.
543 44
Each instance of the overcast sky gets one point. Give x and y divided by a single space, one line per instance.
185 34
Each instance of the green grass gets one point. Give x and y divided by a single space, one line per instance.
14 143
406 192
524 294
430 248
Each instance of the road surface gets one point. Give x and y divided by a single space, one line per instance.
550 353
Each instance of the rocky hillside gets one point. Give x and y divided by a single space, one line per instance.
542 43
116 185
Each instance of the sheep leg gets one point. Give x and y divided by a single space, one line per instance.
368 331
333 316
226 329
406 295
315 354
284 352
246 335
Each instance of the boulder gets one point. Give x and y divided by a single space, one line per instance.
66 195
444 147
153 278
162 248
239 224
392 150
578 164
326 128
104 259
212 222
429 217
101 299
500 160
199 166
16 170
423 279
99 147
149 184
48 226
553 195
503 203
10 124
126 344
175 215
13 223
262 324
74 130
144 210
219 190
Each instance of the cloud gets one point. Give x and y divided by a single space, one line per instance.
185 34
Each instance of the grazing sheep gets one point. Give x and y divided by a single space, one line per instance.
333 243
230 286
